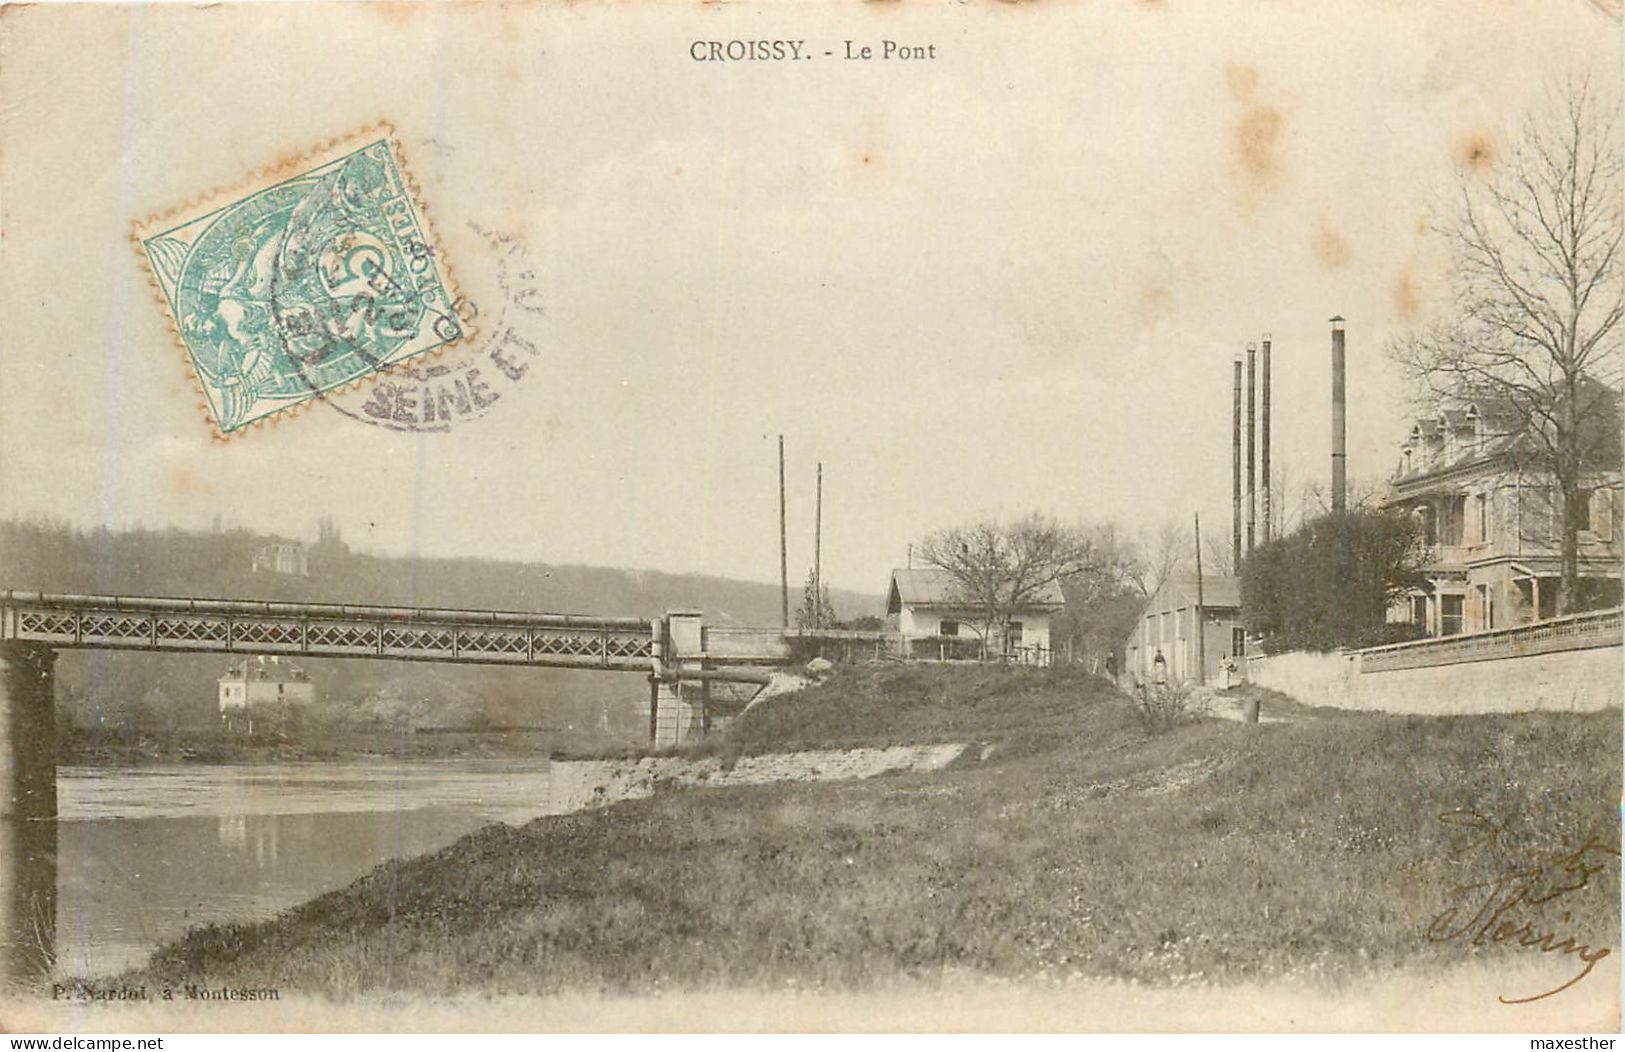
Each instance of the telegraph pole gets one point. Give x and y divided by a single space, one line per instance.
1235 466
818 553
1201 629
784 553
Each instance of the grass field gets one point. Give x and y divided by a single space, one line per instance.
1079 846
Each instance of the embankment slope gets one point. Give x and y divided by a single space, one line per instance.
1316 850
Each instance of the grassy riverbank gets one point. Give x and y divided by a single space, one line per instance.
1079 846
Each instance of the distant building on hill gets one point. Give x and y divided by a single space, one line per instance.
927 608
1168 626
260 683
285 557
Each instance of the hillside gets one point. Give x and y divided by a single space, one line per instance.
1072 844
112 689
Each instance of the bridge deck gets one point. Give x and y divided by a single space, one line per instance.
473 637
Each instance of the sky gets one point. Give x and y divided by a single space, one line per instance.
1008 279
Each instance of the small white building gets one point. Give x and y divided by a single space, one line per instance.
927 607
263 681
283 557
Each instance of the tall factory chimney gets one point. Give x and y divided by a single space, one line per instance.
1235 468
1340 454
1264 441
1252 436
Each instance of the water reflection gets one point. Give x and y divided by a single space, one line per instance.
234 834
148 853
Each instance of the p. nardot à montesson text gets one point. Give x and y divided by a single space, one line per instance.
803 50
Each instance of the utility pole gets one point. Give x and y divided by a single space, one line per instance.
784 553
1235 466
818 553
1201 629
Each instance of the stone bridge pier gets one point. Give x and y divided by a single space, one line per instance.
27 813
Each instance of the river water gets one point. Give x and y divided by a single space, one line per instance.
144 853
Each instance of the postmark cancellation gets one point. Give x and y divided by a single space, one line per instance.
316 276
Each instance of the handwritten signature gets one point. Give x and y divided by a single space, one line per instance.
1496 910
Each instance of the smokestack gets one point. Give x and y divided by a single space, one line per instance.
1340 454
1264 442
1235 468
1252 434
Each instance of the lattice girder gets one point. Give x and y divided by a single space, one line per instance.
271 628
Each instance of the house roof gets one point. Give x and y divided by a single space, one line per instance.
1491 448
1180 591
265 670
1506 432
929 586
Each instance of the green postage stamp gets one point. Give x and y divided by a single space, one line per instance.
318 276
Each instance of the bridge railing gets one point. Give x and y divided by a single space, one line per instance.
344 611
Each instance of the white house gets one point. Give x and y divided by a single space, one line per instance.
256 682
284 557
927 608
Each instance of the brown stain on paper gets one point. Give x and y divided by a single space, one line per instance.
1406 298
1257 133
1258 140
1475 152
1330 247
397 15
1153 302
184 482
1241 80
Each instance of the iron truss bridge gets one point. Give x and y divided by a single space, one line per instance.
470 637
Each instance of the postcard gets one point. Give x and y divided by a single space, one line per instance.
1100 517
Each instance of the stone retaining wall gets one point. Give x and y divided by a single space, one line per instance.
579 784
1568 681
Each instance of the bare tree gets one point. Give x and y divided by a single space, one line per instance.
1217 555
999 567
1164 552
1359 494
1112 566
1102 602
1538 299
